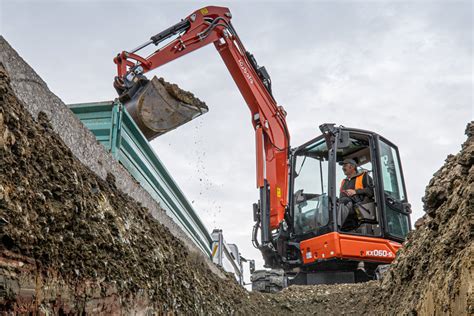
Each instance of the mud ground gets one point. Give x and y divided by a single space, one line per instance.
73 243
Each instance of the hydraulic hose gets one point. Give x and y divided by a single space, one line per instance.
255 242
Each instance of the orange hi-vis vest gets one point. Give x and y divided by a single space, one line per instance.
358 184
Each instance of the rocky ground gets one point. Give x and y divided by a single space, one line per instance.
73 243
339 299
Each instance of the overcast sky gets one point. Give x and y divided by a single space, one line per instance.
401 69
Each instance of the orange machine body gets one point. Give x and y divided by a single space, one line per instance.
343 246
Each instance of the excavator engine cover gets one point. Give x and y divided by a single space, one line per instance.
159 107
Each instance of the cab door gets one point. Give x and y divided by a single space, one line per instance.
395 206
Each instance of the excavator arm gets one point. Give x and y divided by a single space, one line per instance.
212 25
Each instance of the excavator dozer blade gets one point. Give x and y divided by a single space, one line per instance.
159 107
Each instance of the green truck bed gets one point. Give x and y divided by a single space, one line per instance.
115 129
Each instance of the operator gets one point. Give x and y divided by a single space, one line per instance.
357 187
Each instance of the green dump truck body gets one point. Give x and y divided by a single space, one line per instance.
115 129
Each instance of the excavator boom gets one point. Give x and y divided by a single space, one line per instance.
212 25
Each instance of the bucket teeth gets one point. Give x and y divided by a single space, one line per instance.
159 107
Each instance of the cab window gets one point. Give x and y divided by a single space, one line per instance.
394 195
391 174
311 189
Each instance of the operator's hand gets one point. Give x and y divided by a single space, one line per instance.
350 192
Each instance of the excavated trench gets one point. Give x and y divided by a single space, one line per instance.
74 243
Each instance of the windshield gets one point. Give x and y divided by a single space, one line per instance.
311 188
391 174
397 221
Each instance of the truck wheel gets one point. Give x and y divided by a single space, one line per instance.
268 281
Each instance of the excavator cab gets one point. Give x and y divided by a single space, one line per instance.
317 175
377 223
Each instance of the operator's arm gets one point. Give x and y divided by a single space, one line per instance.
368 189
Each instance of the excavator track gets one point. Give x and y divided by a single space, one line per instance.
268 281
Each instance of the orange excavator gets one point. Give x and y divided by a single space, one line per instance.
299 228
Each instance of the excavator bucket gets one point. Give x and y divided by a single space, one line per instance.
159 107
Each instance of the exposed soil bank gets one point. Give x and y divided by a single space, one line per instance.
73 242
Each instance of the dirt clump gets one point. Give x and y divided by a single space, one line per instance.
183 95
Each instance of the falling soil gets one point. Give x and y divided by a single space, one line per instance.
67 231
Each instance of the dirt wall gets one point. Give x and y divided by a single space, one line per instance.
36 98
73 242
